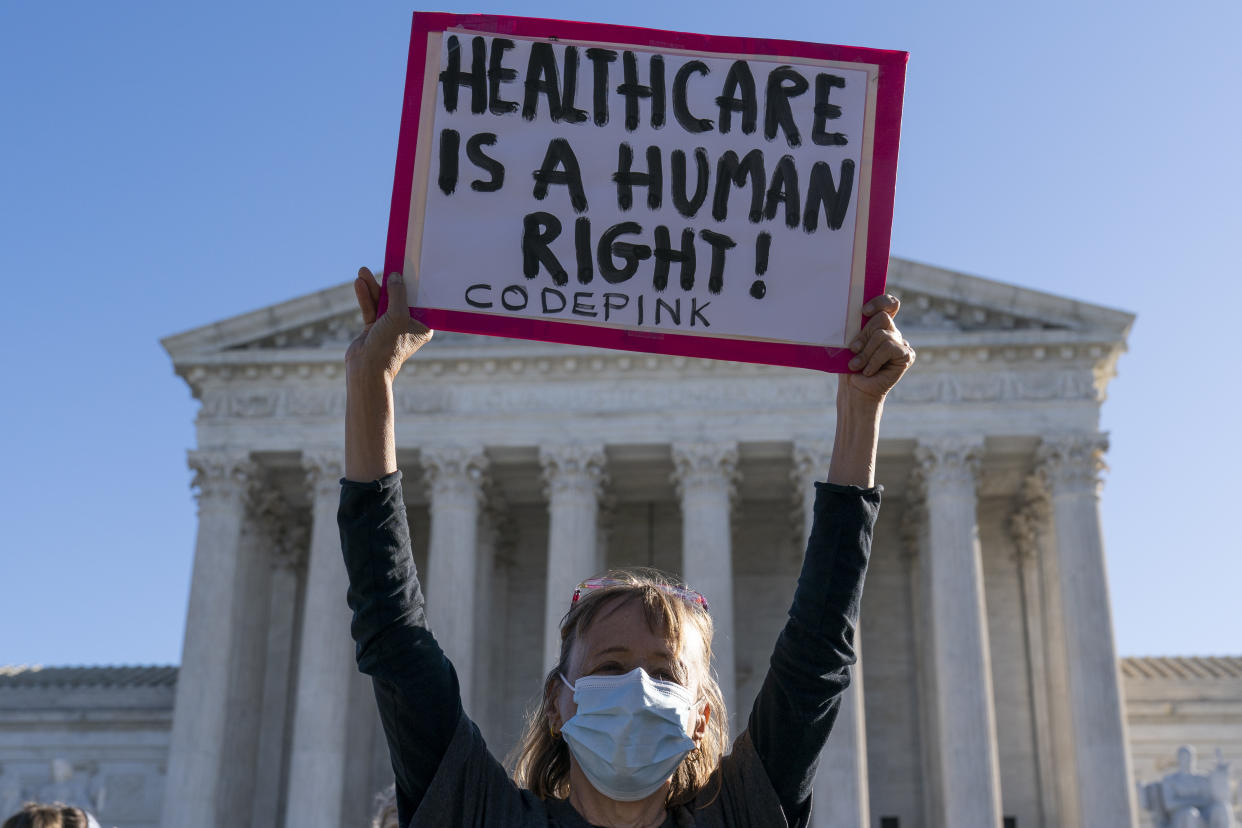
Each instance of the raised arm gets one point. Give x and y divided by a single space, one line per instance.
881 357
415 686
810 668
371 364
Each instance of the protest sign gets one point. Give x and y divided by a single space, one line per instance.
655 191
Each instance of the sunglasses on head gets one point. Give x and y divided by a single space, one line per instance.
684 594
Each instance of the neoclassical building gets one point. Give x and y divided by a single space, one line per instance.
989 692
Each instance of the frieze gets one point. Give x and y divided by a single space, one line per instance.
438 397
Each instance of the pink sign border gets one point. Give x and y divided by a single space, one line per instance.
891 87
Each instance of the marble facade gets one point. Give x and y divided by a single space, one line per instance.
989 689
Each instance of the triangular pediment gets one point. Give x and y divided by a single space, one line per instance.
936 303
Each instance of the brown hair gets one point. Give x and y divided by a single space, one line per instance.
541 759
55 815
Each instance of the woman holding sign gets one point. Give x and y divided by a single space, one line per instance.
631 730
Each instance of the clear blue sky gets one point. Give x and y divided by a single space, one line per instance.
163 166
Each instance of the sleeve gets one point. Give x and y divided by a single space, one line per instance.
416 687
810 667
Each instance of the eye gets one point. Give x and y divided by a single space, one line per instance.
608 668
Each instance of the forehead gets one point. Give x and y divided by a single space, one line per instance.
624 627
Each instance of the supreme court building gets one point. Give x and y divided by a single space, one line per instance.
989 692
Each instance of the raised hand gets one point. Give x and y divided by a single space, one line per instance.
882 355
387 342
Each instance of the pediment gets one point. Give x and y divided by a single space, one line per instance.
939 307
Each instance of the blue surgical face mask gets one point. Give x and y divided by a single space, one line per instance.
630 732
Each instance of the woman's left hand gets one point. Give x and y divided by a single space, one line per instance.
881 354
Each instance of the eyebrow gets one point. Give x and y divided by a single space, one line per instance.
622 649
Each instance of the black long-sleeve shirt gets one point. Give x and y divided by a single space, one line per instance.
438 756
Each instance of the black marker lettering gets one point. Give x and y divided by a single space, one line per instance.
763 245
474 151
696 312
498 74
822 191
561 155
674 310
825 111
538 229
739 75
552 293
688 207
478 303
720 243
632 90
776 111
784 188
681 111
541 77
570 113
665 254
582 248
450 147
581 308
729 170
627 179
609 307
514 306
452 77
600 58
631 254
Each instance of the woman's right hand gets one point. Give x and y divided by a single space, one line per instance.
388 341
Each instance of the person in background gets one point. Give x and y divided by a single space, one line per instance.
630 730
386 809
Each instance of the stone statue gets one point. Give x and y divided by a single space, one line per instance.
1185 799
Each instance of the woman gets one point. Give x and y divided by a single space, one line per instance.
630 731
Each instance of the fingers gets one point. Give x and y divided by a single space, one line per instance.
365 303
372 284
867 340
891 349
885 303
396 296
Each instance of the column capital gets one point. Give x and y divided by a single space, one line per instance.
289 552
1031 517
811 459
573 467
222 474
324 470
914 516
454 469
1072 463
705 465
949 462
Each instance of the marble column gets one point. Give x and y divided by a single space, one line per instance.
1028 527
325 663
252 597
288 574
705 474
196 748
489 615
573 476
1071 465
914 552
841 796
455 477
963 707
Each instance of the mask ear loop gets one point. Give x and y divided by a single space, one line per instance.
565 681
